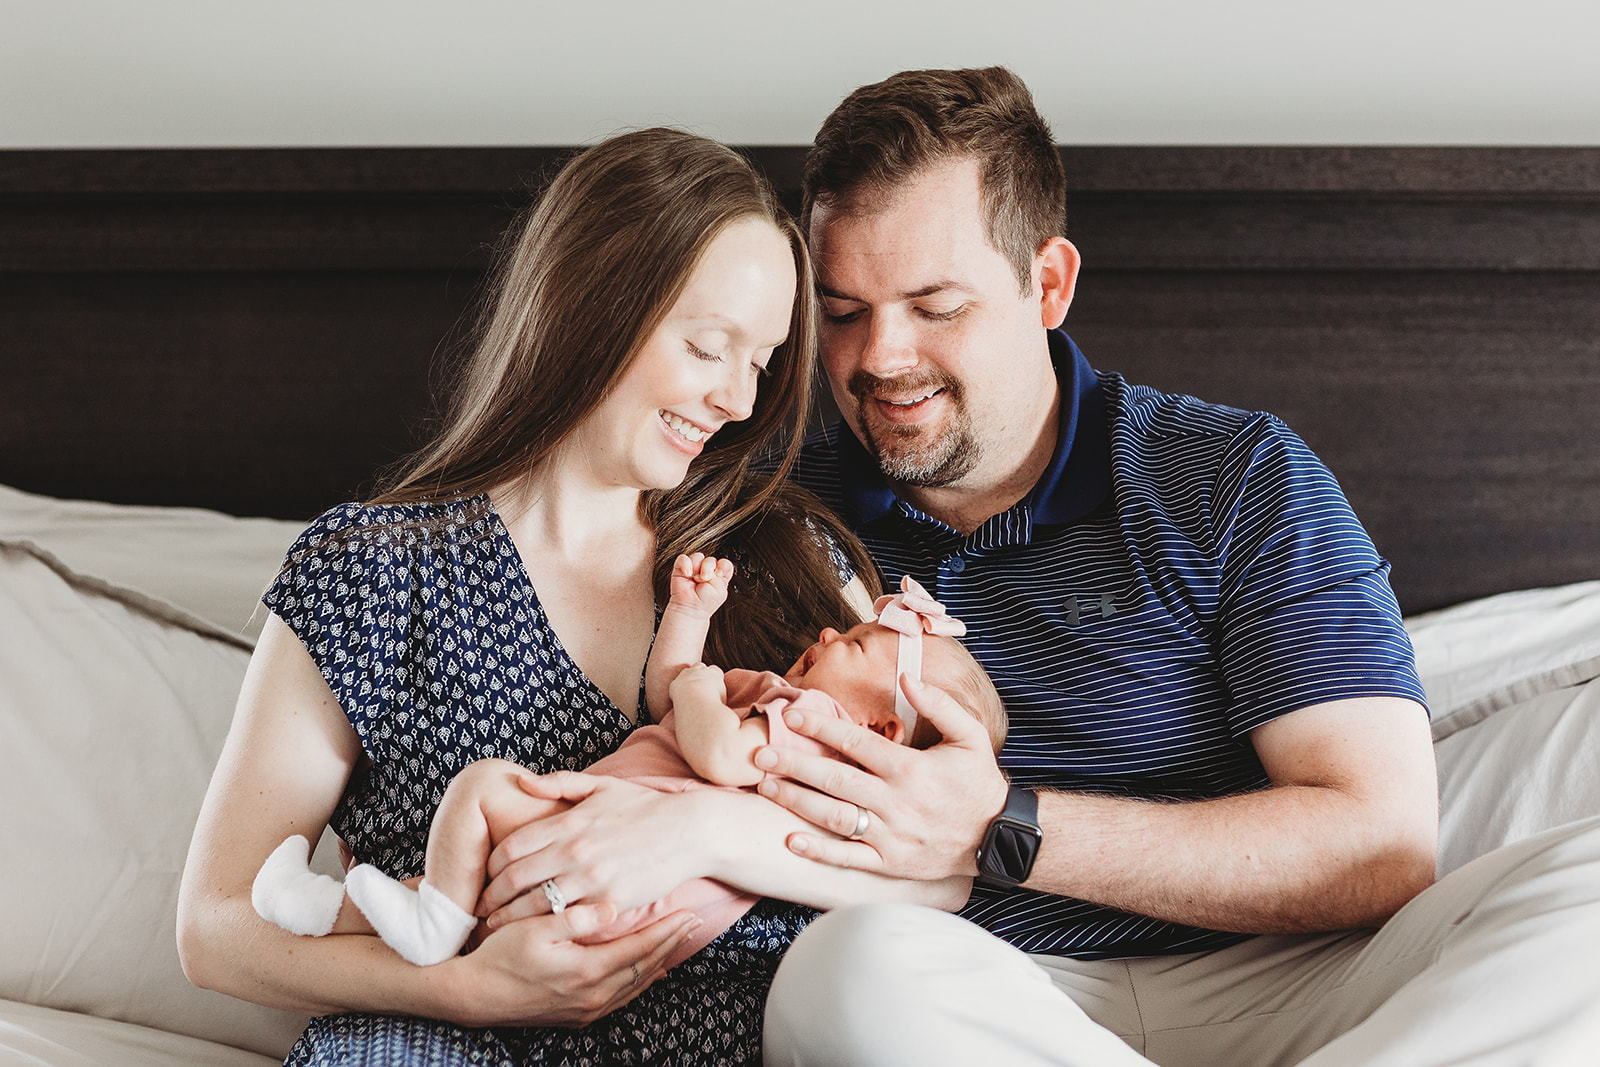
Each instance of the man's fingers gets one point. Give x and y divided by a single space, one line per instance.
856 855
954 723
874 752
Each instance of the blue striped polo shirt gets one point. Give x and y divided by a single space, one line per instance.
1181 574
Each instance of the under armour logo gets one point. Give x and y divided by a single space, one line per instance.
1106 605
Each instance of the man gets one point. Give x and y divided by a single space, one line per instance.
1216 727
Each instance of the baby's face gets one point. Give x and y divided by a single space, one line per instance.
858 669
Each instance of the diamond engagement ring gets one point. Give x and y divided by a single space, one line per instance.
552 893
863 820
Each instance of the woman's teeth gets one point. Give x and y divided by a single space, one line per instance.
686 430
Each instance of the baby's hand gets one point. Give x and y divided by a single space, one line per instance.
700 582
698 678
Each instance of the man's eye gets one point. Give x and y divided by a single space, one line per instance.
942 316
699 353
842 318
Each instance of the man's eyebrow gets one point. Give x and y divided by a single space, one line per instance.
944 285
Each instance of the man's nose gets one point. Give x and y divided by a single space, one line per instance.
890 345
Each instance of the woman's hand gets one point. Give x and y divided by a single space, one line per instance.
928 810
531 972
620 843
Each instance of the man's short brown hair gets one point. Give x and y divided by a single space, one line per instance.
884 134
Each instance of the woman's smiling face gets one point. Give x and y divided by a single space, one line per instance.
699 369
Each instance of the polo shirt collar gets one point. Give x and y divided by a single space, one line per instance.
1074 484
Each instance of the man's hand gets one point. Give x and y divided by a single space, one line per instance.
927 809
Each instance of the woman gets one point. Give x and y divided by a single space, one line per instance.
499 599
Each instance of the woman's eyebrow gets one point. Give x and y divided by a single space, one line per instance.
729 327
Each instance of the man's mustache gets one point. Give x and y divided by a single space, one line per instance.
863 385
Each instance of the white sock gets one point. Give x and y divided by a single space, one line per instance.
287 892
424 925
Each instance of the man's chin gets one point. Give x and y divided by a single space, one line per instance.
923 468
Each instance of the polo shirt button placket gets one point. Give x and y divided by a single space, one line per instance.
953 565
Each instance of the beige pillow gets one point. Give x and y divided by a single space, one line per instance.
111 718
210 565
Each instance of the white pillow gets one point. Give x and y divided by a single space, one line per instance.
1481 657
111 718
211 565
1522 770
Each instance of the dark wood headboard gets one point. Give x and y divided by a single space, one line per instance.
256 330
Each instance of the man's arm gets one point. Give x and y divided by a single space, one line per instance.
1343 837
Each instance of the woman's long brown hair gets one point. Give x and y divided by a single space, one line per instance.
586 275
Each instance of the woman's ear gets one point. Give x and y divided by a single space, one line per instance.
1055 270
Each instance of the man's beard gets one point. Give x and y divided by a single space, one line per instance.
914 455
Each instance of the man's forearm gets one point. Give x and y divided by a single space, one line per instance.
1286 859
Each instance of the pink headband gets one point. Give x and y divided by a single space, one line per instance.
912 613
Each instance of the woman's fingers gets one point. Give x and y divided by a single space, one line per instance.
517 891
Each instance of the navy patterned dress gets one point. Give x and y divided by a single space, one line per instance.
430 635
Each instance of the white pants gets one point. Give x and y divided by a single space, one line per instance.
1497 964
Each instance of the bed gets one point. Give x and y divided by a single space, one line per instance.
203 349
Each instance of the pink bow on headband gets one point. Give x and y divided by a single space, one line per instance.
912 613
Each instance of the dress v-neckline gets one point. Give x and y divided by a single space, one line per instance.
503 532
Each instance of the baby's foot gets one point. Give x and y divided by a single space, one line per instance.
287 892
423 925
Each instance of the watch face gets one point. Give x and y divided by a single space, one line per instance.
1009 848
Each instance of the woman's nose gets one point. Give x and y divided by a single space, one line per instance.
735 396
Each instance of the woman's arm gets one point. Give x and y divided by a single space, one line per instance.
287 759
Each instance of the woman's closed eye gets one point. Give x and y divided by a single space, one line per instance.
699 353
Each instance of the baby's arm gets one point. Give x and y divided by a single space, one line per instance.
716 741
697 588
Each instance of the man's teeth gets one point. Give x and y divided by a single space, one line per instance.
908 403
687 430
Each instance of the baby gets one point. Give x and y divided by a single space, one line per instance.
710 726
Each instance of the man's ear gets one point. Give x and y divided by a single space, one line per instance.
1055 268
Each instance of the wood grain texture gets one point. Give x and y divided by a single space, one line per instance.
257 330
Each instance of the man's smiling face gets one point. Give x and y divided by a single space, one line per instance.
923 330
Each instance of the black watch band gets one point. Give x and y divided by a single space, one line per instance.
1011 843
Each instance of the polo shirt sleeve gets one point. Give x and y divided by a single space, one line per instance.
1307 615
